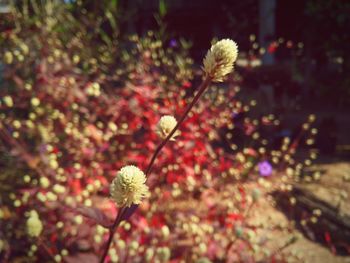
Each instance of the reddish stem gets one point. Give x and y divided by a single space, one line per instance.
116 223
123 210
202 88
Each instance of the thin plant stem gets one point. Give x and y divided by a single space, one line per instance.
280 249
44 246
123 210
201 88
231 244
112 229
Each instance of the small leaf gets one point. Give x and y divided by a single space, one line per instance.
94 214
105 38
112 20
162 8
114 4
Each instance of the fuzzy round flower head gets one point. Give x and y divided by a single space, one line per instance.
219 59
165 125
34 225
129 186
8 57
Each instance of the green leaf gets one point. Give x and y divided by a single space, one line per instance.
111 20
162 8
114 3
105 38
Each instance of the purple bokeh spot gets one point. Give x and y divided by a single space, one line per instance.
265 168
173 43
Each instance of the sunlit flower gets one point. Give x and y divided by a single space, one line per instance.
59 189
165 231
8 57
58 258
165 125
34 225
256 194
149 254
8 101
163 254
219 59
24 48
44 182
203 260
35 102
94 89
78 219
112 126
129 186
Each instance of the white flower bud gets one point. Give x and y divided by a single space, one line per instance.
219 60
165 125
34 225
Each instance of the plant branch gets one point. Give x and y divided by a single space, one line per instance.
116 223
201 88
123 211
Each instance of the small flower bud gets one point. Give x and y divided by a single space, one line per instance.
256 194
35 102
165 231
149 254
8 101
219 60
165 125
239 231
163 254
34 225
8 57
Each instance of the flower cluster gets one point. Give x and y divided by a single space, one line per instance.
34 224
129 186
220 58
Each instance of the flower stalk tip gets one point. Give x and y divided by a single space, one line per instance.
165 125
219 59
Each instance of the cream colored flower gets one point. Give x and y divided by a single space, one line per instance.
8 57
163 254
24 48
8 101
165 125
34 225
35 102
129 186
219 60
44 182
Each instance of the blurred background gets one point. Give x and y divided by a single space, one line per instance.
261 172
298 49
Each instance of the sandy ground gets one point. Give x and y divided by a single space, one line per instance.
303 250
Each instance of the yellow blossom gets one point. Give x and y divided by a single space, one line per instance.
8 101
8 57
35 102
34 225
